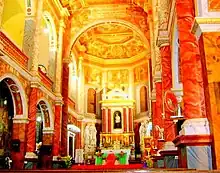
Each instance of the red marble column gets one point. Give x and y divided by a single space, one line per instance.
103 120
65 94
57 125
193 94
158 113
31 129
109 121
19 130
130 115
154 119
125 119
169 130
78 136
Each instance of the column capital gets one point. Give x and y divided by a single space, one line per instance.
153 95
67 60
163 39
35 82
58 100
157 77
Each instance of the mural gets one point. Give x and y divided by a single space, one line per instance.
214 5
212 52
141 73
118 79
92 76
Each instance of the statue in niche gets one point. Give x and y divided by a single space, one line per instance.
117 120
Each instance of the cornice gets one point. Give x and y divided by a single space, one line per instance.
202 24
163 38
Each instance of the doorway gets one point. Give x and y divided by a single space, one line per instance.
6 119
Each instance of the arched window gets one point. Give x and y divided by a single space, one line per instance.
91 101
47 47
143 99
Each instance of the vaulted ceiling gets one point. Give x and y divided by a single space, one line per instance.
110 42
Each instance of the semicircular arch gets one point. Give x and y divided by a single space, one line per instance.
46 108
104 21
24 113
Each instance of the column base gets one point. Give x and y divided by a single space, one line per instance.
194 144
31 160
170 155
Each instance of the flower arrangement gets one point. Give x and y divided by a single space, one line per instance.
148 161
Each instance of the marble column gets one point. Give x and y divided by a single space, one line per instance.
169 132
109 121
79 135
158 119
104 124
57 128
193 92
35 54
130 117
80 97
196 125
125 120
59 58
31 127
19 129
65 94
153 109
131 84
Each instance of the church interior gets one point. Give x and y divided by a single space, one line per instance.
110 83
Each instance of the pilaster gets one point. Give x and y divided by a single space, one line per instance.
59 57
35 54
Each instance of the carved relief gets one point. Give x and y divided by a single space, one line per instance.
141 73
92 76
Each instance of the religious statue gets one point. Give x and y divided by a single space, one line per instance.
90 138
117 120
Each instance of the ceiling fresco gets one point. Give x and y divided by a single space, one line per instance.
112 41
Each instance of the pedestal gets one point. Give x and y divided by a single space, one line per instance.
194 145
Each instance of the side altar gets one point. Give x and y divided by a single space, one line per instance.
117 123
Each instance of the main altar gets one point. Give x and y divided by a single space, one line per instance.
117 134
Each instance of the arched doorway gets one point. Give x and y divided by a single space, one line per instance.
6 118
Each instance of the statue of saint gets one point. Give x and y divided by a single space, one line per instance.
117 120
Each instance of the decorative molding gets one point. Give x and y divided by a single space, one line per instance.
192 140
157 77
21 120
10 49
163 41
202 24
48 131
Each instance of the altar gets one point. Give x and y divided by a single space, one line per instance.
117 152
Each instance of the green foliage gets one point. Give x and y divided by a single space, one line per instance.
68 161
